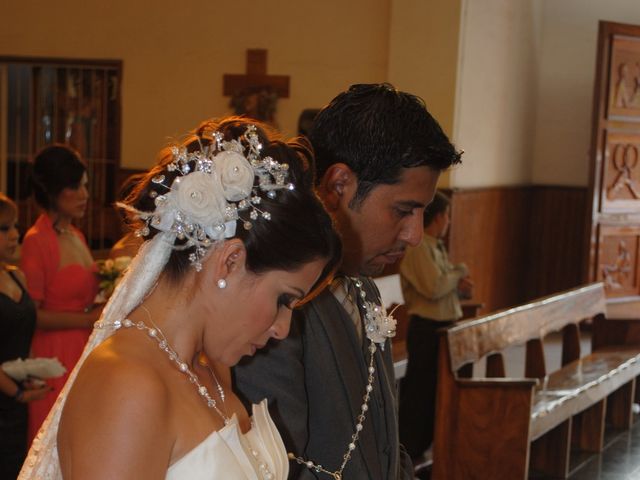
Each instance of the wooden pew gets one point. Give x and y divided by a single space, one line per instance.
469 310
499 428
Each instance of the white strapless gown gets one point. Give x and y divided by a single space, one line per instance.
226 454
229 454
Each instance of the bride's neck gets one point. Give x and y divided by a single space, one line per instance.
168 310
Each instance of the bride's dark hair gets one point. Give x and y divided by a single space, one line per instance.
299 231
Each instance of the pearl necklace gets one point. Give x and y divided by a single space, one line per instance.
378 326
156 334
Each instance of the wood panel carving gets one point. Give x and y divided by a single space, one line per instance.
618 261
613 237
624 97
621 172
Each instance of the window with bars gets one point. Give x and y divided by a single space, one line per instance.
71 102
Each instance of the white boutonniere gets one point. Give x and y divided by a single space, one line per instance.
378 324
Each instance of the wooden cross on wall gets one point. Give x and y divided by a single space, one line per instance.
256 77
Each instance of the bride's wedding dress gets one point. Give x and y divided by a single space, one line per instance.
228 454
258 454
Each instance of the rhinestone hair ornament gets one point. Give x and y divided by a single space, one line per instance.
213 186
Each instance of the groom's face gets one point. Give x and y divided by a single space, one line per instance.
377 230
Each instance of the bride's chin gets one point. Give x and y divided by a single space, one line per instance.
250 352
233 359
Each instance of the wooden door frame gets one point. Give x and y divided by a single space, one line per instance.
601 126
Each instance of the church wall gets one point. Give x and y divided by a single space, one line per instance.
488 232
175 53
495 101
566 75
494 117
423 52
520 242
523 113
524 89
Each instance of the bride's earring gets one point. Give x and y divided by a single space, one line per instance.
222 283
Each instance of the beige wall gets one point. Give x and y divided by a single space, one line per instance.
510 81
524 89
423 52
566 75
495 101
175 53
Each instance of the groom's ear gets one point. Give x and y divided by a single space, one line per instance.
338 185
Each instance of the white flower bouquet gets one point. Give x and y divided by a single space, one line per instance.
109 273
21 370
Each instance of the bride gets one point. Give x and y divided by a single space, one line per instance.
234 240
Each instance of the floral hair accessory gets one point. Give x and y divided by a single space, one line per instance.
213 186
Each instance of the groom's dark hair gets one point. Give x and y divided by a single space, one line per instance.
378 131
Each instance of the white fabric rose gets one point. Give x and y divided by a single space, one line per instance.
199 196
378 324
236 175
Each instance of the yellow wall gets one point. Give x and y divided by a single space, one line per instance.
510 81
175 53
423 52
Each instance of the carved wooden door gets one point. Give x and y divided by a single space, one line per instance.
614 236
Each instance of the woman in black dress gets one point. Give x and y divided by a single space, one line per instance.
17 321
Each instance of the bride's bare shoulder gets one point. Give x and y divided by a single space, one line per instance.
116 378
119 365
116 400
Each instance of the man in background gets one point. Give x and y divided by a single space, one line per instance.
432 287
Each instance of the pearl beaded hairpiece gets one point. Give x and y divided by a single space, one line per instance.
213 185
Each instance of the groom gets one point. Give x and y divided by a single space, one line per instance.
379 154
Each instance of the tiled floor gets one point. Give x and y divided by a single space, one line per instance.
620 459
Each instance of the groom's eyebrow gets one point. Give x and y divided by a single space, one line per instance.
410 204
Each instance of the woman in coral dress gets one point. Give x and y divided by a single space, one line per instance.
60 271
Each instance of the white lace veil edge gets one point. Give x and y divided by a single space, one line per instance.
42 461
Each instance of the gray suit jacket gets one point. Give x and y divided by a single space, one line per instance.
315 382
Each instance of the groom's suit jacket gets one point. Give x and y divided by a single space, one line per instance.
315 382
